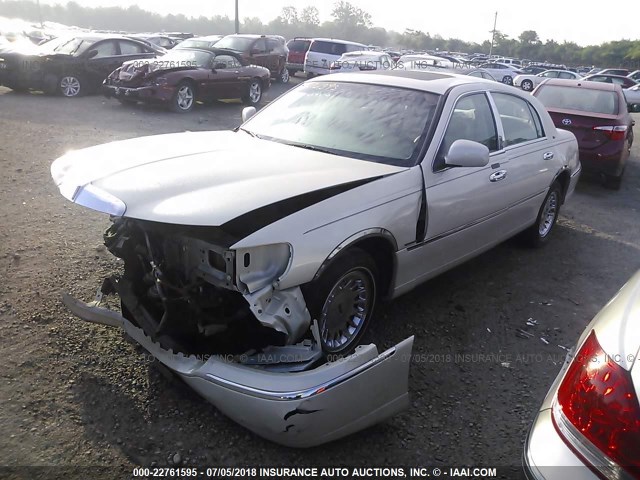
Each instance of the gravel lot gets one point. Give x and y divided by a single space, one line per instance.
79 394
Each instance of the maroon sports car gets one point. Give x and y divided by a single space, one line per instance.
597 115
184 76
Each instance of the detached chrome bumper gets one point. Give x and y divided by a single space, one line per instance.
301 409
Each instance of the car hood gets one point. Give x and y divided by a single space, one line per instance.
204 178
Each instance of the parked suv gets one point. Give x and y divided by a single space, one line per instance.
298 48
324 51
267 51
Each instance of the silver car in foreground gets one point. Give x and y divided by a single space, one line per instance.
589 424
254 258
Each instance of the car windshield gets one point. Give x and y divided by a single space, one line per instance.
192 43
580 99
183 58
371 122
239 44
75 46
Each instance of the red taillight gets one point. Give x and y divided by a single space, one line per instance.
619 132
598 398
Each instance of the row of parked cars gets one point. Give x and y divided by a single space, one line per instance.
134 69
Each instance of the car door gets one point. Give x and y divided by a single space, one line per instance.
225 78
258 53
130 50
101 59
464 204
529 163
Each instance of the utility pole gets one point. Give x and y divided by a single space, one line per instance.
237 19
493 32
40 15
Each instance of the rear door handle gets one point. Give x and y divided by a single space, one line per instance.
497 176
547 156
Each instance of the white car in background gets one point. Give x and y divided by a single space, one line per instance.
588 427
254 258
529 82
502 72
324 51
362 61
632 95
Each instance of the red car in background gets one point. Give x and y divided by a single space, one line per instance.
597 115
186 75
297 50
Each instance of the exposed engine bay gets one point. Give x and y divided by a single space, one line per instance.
192 294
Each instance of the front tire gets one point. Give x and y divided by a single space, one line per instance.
343 300
71 86
538 234
254 93
184 99
527 85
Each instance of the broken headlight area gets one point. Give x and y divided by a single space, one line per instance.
192 294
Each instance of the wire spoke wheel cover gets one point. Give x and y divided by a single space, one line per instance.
549 213
346 310
70 86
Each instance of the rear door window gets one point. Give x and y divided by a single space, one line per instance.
105 49
130 48
519 119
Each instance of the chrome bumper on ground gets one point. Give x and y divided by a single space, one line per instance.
300 409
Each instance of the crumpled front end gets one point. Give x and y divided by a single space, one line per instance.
213 315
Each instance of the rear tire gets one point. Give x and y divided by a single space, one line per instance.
612 182
538 234
254 92
507 80
283 76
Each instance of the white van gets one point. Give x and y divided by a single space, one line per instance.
510 61
324 51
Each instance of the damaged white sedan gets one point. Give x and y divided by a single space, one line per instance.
254 258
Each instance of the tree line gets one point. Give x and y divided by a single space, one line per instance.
347 21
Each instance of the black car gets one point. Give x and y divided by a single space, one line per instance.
73 66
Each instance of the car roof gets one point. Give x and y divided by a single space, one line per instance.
608 75
337 40
428 81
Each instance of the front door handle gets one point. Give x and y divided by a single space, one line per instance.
497 176
547 156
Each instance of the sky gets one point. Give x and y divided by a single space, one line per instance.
585 23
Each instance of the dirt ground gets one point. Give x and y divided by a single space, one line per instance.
75 394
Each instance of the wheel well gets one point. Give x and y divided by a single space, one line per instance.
381 251
563 179
193 83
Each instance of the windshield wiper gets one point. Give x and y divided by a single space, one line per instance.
254 135
312 147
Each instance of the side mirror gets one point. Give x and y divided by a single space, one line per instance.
91 54
249 112
467 153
